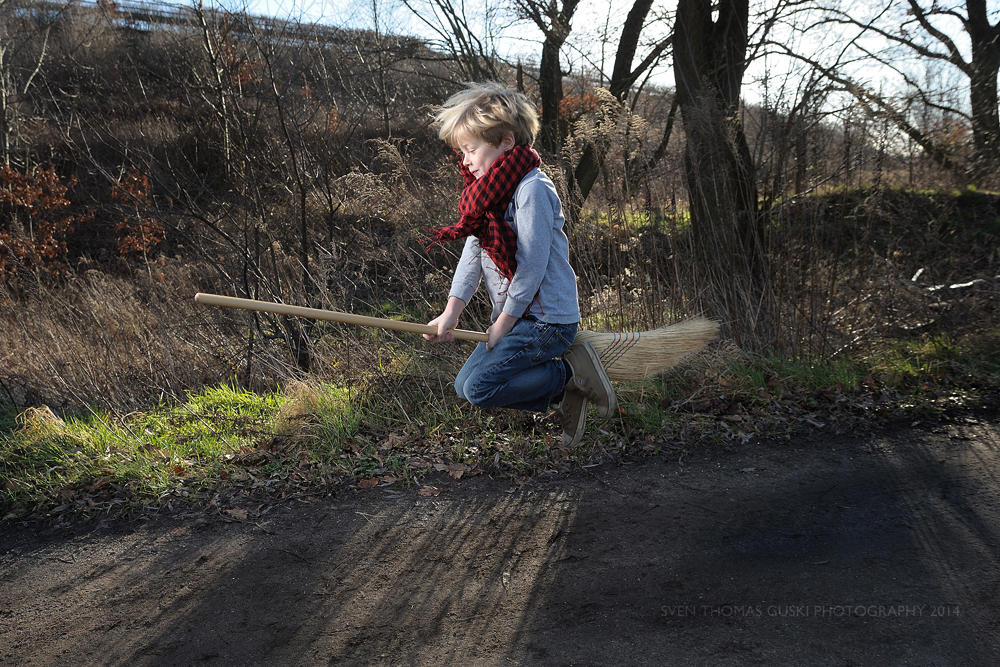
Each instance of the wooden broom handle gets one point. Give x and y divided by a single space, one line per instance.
332 316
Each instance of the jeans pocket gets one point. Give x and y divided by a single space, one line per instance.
567 334
550 343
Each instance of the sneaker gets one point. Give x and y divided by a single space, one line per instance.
590 379
572 415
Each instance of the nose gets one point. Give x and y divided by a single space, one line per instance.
465 160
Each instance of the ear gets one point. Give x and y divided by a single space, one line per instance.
507 142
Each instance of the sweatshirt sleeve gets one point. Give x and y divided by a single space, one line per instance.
468 271
535 212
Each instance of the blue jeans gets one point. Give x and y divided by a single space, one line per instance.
522 371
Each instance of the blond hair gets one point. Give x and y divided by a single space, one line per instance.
487 111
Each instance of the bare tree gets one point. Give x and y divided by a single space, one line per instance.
470 47
554 19
623 77
911 30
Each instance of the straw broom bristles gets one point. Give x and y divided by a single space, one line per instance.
625 356
639 354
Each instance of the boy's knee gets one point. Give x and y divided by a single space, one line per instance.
480 394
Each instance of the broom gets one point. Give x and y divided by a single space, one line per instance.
625 356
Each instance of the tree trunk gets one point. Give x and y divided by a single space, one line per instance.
726 225
984 69
555 23
550 90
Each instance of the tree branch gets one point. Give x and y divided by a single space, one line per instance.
879 107
955 55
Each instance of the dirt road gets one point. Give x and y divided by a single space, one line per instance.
868 549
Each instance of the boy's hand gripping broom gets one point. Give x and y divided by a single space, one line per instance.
625 356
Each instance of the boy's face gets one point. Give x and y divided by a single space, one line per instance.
479 156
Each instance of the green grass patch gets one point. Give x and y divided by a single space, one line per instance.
940 359
638 219
82 460
302 438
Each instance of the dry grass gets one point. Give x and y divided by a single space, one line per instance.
115 341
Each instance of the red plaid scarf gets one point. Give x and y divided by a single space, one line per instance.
484 203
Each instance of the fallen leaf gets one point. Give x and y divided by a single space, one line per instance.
389 479
236 514
456 470
429 491
367 483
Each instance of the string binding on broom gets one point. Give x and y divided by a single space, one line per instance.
619 346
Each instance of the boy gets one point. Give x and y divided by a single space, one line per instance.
511 218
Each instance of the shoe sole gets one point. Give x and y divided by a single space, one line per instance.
581 423
581 428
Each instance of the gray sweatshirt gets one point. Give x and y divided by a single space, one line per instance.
544 284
